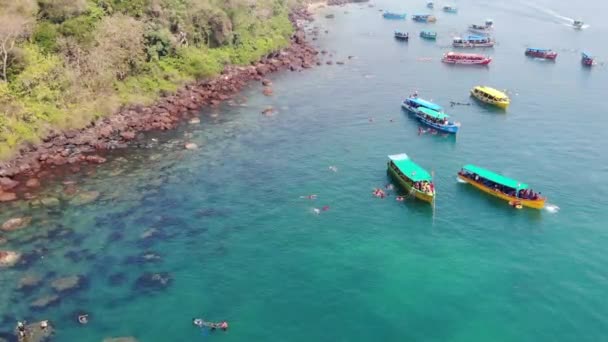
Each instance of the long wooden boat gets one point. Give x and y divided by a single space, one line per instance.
428 35
424 18
402 35
391 15
491 96
465 58
414 103
473 42
410 176
515 192
437 120
541 53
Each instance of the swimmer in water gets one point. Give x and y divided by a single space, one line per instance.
399 198
325 208
390 187
333 168
316 211
198 322
310 197
224 325
83 319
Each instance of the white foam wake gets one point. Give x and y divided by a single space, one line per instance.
552 208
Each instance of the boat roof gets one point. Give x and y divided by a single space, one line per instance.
410 169
429 32
451 53
426 104
433 113
495 177
471 37
492 91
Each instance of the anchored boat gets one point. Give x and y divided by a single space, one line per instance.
414 103
578 24
480 29
430 5
391 15
518 194
473 42
450 9
491 96
466 58
402 35
587 59
410 176
424 18
437 120
541 53
428 35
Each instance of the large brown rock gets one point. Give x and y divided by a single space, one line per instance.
9 258
7 183
16 223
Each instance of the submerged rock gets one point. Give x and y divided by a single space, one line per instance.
153 281
68 284
85 198
28 282
120 339
16 223
267 91
45 302
9 258
50 202
117 279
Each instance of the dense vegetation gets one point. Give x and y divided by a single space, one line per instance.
64 63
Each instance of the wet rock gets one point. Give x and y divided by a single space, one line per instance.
190 146
95 159
49 202
7 196
267 91
153 281
16 223
85 198
45 302
194 121
28 282
32 183
120 339
7 183
128 135
68 284
9 258
266 82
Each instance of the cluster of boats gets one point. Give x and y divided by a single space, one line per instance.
419 183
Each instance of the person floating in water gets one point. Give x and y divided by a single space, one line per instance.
400 198
310 197
199 322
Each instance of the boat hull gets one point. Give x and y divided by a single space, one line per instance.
499 104
450 128
473 45
485 61
550 56
409 186
535 204
401 37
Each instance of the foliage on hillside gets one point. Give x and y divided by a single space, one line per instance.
64 63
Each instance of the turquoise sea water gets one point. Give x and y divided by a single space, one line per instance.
241 245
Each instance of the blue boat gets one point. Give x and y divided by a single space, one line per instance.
424 18
586 59
391 15
402 35
428 35
430 114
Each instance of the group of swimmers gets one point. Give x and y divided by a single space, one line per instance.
22 329
425 186
199 322
379 193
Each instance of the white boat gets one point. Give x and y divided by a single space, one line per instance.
578 24
473 42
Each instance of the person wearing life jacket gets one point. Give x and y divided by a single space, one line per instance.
224 325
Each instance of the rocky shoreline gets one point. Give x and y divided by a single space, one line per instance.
86 146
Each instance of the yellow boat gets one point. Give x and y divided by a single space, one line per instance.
491 96
416 180
516 193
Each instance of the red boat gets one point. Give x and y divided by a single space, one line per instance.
466 58
541 53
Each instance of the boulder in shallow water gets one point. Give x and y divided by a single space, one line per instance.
16 223
49 202
68 284
9 258
267 91
29 282
85 198
44 302
120 339
36 333
7 196
191 146
153 281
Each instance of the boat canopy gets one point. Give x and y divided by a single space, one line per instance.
434 114
473 38
494 177
493 92
426 104
410 169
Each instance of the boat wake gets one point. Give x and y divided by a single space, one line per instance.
552 208
460 180
558 18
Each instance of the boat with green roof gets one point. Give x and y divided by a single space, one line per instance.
412 177
518 194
